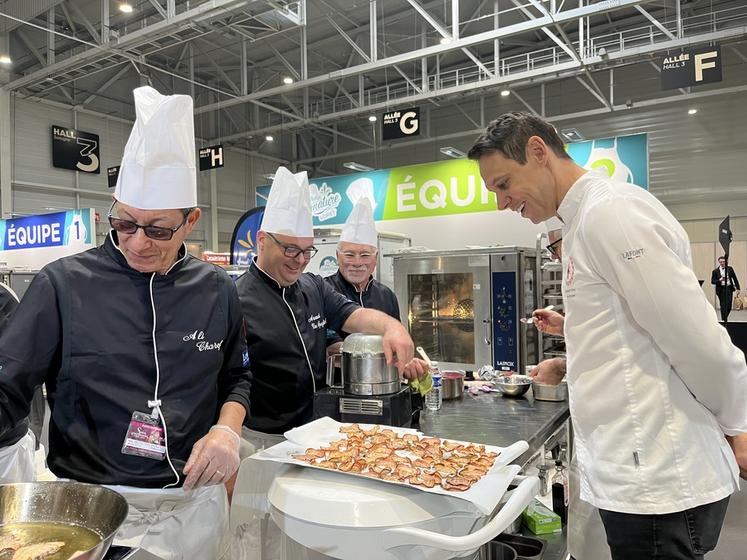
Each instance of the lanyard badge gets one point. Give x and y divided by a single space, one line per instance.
145 437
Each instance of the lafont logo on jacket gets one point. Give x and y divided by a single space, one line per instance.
324 202
632 254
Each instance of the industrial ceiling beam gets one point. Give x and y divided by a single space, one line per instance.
187 19
523 27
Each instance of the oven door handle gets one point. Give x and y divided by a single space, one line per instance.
488 334
413 536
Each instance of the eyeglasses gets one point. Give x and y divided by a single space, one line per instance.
362 256
157 233
554 248
292 251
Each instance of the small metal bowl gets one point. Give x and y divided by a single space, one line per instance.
512 385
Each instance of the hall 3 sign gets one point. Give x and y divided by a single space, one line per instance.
691 67
75 149
401 124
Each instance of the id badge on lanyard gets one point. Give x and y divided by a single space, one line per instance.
145 437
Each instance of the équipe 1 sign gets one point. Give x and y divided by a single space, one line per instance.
47 230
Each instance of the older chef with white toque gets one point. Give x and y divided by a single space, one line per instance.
287 314
141 347
357 253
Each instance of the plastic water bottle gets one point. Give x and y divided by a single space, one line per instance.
433 398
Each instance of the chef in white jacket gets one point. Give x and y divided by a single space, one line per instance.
655 383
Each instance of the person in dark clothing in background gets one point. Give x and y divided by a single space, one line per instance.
16 455
725 280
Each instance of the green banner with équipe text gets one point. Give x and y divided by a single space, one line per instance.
436 189
454 186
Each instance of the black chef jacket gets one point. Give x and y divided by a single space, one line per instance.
84 327
282 385
8 304
376 296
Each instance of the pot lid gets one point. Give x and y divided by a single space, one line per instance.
360 343
344 500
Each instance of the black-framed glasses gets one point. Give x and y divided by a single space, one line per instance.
157 233
292 251
554 248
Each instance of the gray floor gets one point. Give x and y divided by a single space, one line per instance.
736 316
733 542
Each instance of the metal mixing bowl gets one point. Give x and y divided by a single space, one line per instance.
87 505
512 385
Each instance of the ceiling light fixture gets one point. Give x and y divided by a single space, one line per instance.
355 166
692 111
571 134
444 40
125 7
505 92
452 152
5 59
372 118
287 80
269 138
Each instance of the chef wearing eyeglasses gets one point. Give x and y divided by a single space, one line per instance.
287 314
142 350
356 254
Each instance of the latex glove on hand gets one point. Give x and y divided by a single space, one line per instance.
548 321
398 347
739 446
214 458
549 372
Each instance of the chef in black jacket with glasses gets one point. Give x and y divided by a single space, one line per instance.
287 314
142 349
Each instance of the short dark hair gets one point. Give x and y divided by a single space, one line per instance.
509 134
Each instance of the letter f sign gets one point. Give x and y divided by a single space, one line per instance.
702 62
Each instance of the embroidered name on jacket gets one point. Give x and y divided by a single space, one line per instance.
632 254
317 322
202 345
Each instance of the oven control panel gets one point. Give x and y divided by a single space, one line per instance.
505 341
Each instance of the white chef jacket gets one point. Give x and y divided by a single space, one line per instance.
654 381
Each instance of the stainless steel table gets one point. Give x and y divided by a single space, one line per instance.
491 419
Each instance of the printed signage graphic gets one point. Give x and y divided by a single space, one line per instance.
112 174
244 238
211 157
691 67
624 158
403 123
75 149
452 187
33 241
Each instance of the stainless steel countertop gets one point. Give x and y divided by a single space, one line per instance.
489 418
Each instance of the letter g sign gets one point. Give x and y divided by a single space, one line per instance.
408 124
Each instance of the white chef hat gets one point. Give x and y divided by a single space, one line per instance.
359 227
158 165
288 209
